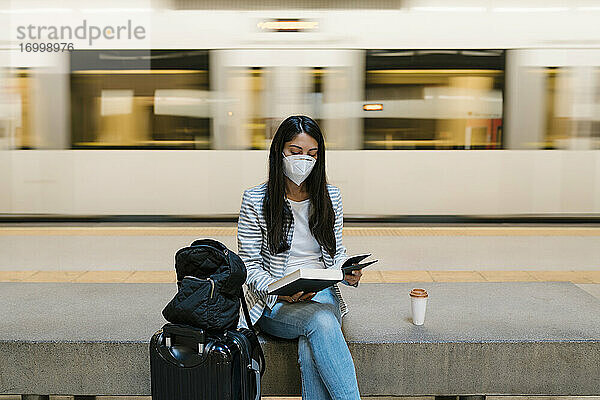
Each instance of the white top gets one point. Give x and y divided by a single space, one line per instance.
305 251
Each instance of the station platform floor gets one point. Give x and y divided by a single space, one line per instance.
143 252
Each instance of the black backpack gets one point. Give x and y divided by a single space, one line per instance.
209 283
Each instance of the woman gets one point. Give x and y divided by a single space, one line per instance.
295 220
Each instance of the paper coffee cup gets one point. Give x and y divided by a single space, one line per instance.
418 304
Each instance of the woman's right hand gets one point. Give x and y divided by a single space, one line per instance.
300 296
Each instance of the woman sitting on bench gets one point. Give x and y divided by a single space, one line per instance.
295 220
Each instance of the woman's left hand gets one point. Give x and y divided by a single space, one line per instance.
353 277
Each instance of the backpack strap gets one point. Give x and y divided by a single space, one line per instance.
261 355
247 314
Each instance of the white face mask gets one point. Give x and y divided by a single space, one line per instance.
297 167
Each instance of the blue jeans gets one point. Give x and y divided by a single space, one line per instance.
326 366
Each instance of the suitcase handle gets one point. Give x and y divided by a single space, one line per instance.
172 352
184 330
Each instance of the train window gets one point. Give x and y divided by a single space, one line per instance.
15 122
140 99
572 94
433 99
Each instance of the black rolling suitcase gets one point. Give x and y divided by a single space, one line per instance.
188 363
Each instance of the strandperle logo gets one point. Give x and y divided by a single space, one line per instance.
83 31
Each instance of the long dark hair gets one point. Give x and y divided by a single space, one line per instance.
277 213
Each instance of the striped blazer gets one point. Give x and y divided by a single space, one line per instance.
262 266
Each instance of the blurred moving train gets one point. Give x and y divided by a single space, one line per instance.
400 93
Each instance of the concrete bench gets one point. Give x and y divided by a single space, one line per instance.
515 338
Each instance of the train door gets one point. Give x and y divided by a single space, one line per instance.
255 89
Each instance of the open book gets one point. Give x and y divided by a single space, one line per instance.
305 280
315 279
